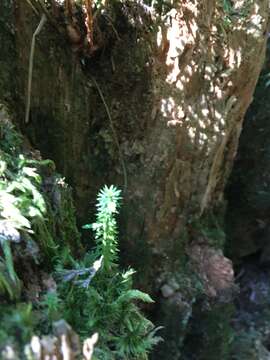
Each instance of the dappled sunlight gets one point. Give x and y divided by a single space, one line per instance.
183 42
148 95
201 96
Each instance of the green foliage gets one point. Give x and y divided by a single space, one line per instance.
20 199
9 281
210 227
230 13
94 295
227 6
104 301
105 227
52 307
29 217
37 223
22 207
17 323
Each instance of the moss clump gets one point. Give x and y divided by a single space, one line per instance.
99 297
38 239
211 331
209 228
37 229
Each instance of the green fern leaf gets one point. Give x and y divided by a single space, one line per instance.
134 295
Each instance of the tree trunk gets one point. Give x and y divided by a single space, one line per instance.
158 111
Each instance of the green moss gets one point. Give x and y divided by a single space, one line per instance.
39 198
19 323
37 230
210 228
211 331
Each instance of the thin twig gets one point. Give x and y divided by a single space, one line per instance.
113 131
32 6
39 8
113 27
30 71
47 13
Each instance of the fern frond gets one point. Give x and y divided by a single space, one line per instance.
134 295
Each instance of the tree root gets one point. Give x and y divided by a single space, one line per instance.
30 69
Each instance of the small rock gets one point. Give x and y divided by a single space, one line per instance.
174 284
167 291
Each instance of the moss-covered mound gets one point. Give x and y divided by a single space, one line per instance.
37 230
45 275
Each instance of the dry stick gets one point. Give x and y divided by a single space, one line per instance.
40 7
114 133
32 6
47 13
30 71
